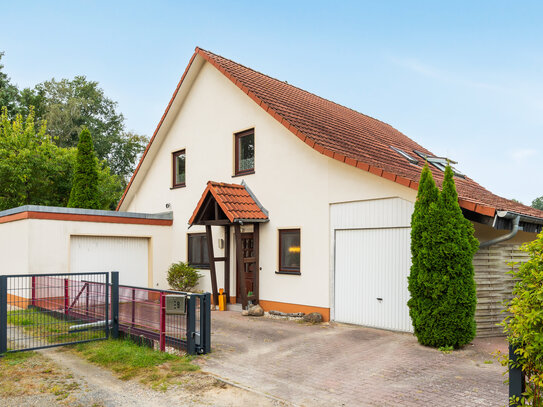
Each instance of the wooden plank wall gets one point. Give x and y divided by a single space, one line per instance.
494 285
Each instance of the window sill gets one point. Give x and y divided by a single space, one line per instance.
294 273
241 174
179 186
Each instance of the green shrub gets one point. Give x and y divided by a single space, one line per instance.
441 282
182 277
524 325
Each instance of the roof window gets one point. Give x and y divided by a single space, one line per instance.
440 162
412 160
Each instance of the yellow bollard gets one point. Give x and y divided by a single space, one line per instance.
222 300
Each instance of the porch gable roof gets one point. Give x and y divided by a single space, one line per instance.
234 200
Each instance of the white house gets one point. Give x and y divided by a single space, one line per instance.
285 198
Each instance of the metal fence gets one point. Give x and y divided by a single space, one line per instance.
142 312
45 310
40 311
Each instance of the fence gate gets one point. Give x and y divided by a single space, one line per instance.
46 310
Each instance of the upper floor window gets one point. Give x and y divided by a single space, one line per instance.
178 166
245 152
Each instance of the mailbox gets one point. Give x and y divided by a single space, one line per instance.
176 304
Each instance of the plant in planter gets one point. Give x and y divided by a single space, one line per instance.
182 277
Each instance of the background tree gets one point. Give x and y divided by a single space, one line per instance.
70 105
537 203
35 171
9 94
443 285
84 192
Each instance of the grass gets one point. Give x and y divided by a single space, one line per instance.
131 361
48 327
29 373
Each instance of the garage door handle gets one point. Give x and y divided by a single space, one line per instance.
379 299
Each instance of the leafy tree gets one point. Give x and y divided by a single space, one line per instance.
537 203
70 105
524 325
84 192
9 94
33 170
442 283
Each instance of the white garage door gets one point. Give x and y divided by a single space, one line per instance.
127 255
371 261
371 278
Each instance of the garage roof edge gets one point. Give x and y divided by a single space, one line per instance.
91 212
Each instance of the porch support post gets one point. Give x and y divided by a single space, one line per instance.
227 262
240 268
212 265
256 249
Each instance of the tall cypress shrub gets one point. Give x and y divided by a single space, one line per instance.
84 192
420 253
445 285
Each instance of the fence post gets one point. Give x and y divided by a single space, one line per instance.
33 303
191 325
115 304
162 322
133 307
206 334
106 311
66 296
517 384
3 314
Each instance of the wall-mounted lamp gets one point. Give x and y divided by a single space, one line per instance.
221 243
168 205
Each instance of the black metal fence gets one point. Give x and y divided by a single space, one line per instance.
46 310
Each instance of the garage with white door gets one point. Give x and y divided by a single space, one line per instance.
371 262
127 255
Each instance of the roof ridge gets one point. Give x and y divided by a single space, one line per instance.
300 89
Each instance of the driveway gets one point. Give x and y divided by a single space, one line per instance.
344 365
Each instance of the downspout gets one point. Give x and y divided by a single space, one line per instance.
510 235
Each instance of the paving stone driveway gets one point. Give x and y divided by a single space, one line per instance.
344 365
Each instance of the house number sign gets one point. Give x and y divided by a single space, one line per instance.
176 304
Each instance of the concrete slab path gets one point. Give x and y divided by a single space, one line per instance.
344 365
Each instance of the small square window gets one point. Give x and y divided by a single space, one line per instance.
178 169
245 152
198 256
289 251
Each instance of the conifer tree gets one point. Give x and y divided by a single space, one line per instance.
442 285
85 192
426 196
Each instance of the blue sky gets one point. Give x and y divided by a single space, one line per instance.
464 79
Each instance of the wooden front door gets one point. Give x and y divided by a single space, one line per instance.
249 266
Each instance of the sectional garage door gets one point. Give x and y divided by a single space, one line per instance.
372 260
127 255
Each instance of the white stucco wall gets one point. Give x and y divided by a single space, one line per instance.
293 181
14 247
38 246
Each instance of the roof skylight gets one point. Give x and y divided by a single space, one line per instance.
440 162
412 160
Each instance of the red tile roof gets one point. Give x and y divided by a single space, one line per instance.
351 137
345 135
234 200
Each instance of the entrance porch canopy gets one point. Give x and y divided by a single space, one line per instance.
225 204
